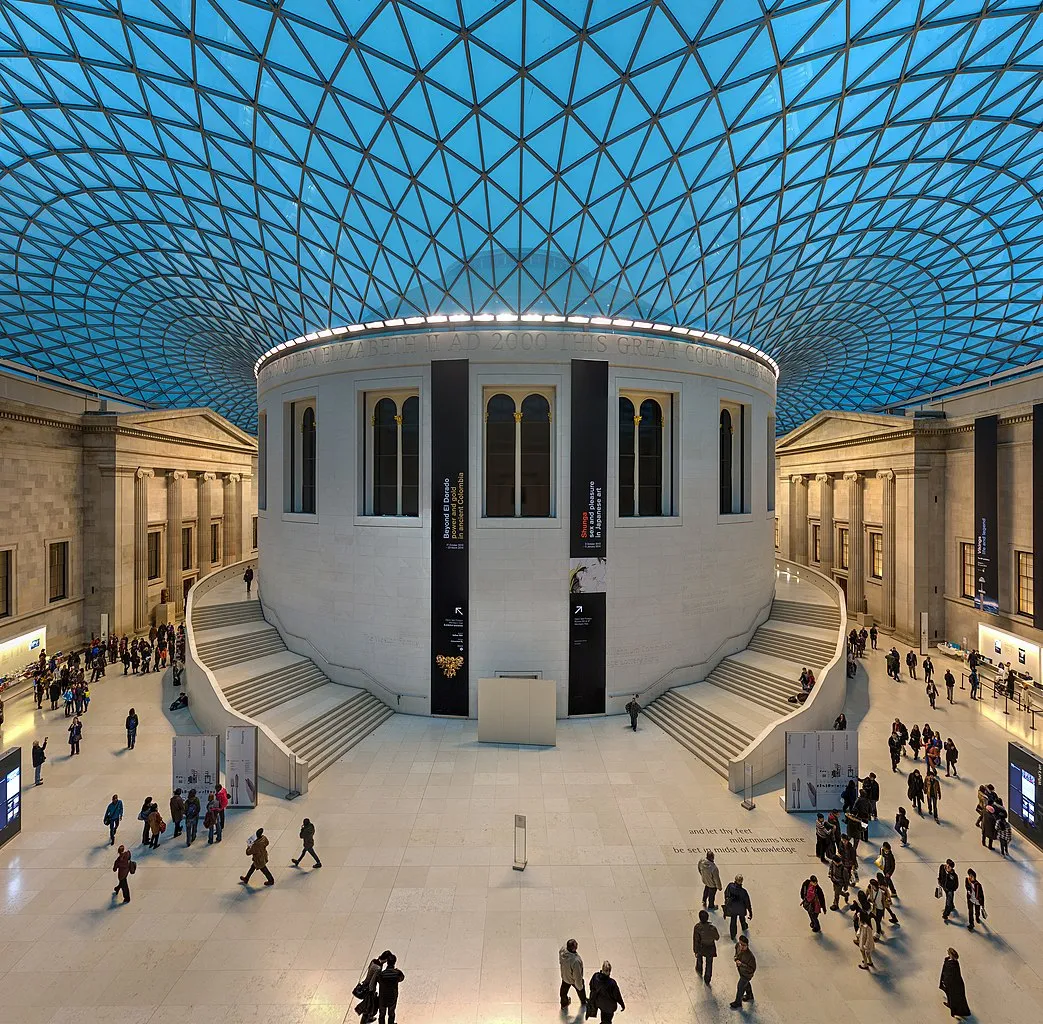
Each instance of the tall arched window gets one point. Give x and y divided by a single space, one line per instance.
645 426
518 453
726 461
308 460
392 454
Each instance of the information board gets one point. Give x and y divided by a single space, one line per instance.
241 765
10 793
819 766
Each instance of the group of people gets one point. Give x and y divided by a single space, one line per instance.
150 653
992 819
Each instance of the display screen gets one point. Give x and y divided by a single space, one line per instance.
1025 774
10 793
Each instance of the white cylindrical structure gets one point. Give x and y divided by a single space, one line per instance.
585 503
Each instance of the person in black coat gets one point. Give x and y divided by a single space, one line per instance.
604 994
387 987
951 983
849 795
737 906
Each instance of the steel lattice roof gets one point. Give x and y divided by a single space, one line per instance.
851 185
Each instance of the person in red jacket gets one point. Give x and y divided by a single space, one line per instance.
221 795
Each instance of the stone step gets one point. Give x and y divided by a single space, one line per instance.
325 739
753 690
215 615
808 614
791 647
731 738
745 675
255 696
220 654
707 752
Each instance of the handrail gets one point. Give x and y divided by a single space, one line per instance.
329 661
705 661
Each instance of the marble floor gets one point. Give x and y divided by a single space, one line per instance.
414 828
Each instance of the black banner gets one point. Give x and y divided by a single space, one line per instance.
588 512
1037 515
449 526
986 541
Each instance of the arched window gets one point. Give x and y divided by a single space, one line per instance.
645 425
308 460
392 454
519 481
500 461
726 461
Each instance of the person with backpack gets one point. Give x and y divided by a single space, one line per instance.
156 826
124 867
813 901
132 728
307 835
257 849
737 906
113 817
704 945
39 755
192 811
604 994
951 757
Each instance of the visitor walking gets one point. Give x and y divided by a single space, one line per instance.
950 685
156 826
932 693
39 755
75 735
124 867
839 877
737 906
132 728
951 757
813 901
633 709
257 849
1003 833
248 579
887 864
865 938
704 945
933 789
113 817
915 790
307 835
948 883
902 825
746 965
604 994
212 820
910 663
975 899
711 877
928 668
951 983
387 986
570 963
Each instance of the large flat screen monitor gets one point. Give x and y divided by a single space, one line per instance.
10 793
1025 775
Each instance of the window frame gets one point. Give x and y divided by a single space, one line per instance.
371 398
962 565
7 581
64 546
189 530
771 475
295 491
740 408
519 392
876 554
1024 583
843 547
253 527
262 460
667 400
216 541
815 542
157 576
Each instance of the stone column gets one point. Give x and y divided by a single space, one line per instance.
233 519
856 570
203 522
889 514
141 479
826 519
175 573
799 519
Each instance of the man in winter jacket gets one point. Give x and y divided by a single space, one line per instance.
975 899
571 965
388 981
704 945
123 866
308 839
257 848
813 900
177 812
948 882
737 905
604 994
711 877
840 877
39 756
746 965
192 811
934 793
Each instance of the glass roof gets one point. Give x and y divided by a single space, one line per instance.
851 185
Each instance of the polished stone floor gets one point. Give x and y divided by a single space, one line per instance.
415 834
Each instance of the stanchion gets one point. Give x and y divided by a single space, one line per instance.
1005 711
520 850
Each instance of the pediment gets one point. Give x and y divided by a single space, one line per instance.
836 428
190 424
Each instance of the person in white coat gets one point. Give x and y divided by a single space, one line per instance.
711 876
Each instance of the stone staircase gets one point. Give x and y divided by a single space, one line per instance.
318 720
702 733
718 718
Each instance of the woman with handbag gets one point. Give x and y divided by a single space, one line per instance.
366 992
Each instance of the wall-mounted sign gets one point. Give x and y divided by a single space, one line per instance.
1025 789
241 765
986 539
449 530
10 793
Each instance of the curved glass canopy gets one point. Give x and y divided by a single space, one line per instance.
850 185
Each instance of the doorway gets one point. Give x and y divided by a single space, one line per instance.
187 585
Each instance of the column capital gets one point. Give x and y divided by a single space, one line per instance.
853 476
232 478
178 474
886 474
207 476
143 474
798 479
822 478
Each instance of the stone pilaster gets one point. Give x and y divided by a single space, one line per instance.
799 519
233 519
203 482
887 477
856 570
825 482
175 573
141 479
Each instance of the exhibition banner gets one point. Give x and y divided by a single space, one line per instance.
588 516
986 540
241 765
196 762
819 766
1037 513
449 527
1025 777
10 793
